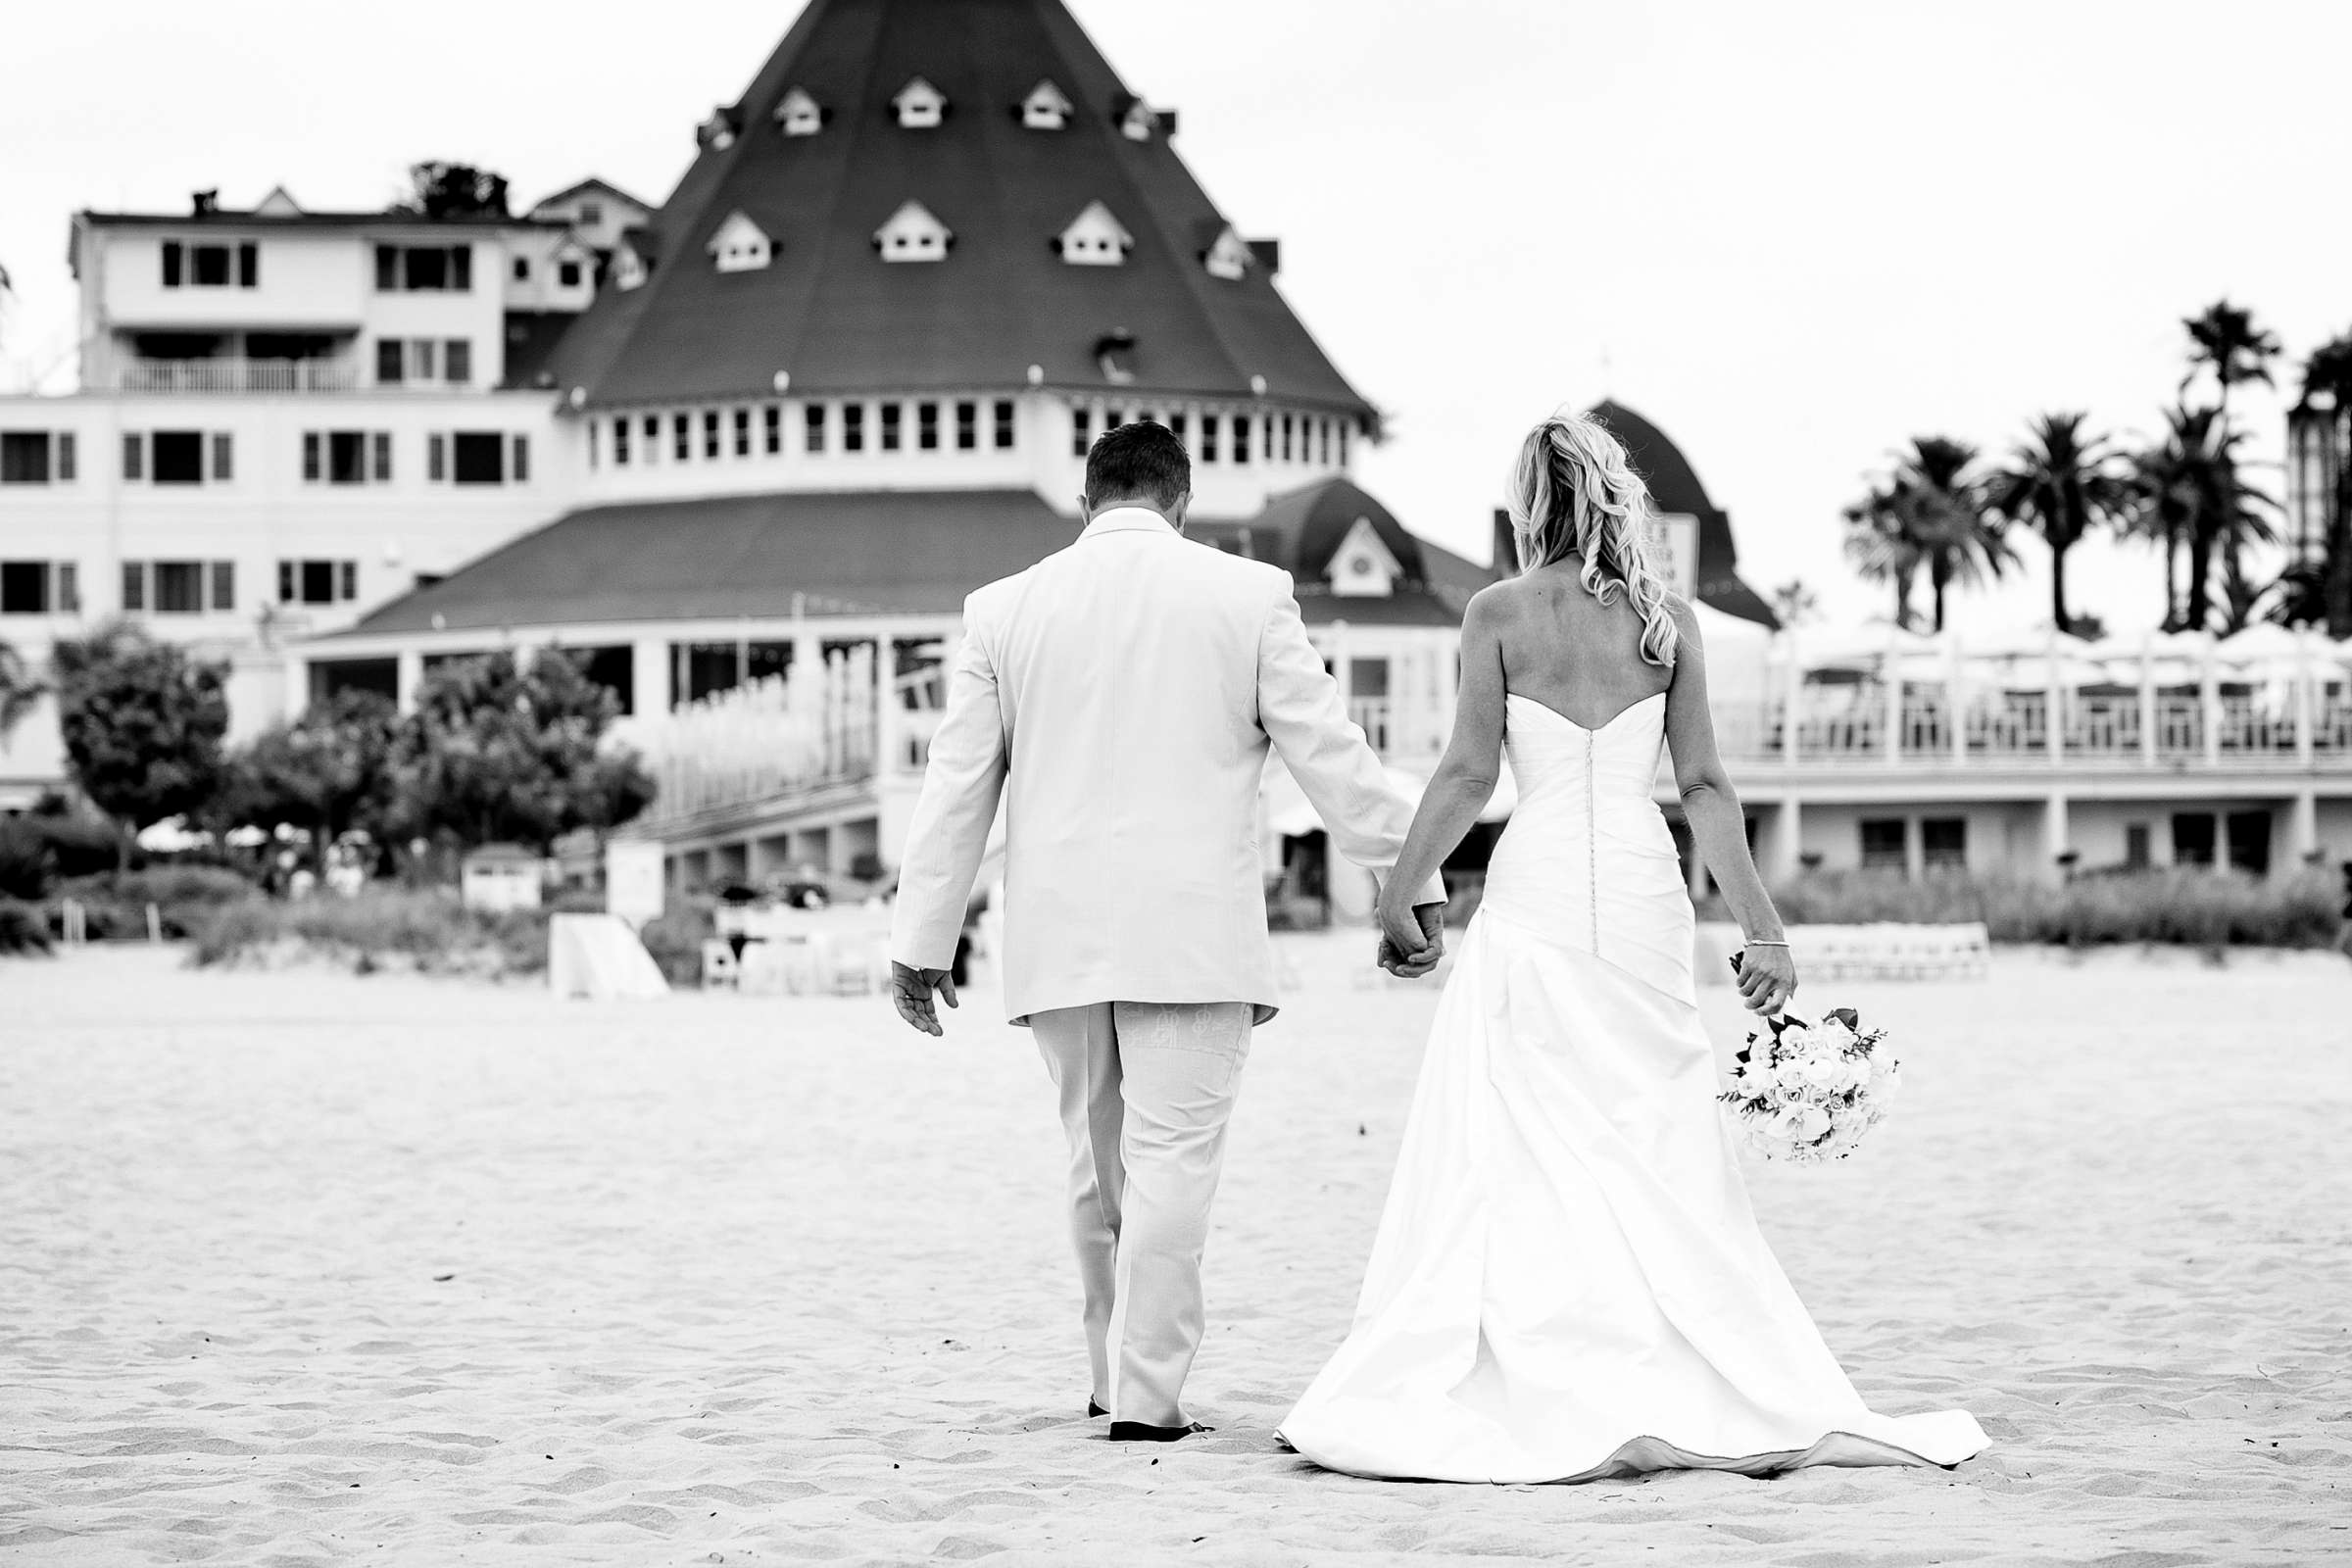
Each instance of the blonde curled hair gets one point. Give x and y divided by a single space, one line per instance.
1574 492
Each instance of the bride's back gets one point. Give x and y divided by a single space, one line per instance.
1565 648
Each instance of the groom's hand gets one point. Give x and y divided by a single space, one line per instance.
1427 936
910 990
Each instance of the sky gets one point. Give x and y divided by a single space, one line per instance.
1794 236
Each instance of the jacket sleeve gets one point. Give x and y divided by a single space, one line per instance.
1299 708
962 782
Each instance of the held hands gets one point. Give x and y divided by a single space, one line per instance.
1412 938
1767 978
910 990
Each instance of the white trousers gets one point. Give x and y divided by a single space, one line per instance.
1145 1092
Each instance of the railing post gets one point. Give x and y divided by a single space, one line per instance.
2209 704
2306 706
2148 700
2053 702
1893 674
1955 712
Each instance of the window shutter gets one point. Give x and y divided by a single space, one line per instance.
134 585
224 465
68 588
388 361
134 454
383 456
348 584
436 457
225 585
285 582
458 360
460 267
387 269
65 457
310 455
249 265
171 264
522 458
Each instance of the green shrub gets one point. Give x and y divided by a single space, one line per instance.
676 938
382 928
80 846
22 928
27 863
2188 906
115 903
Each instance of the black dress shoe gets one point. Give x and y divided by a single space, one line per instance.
1092 1410
1141 1432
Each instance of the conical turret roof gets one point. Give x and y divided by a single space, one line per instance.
830 313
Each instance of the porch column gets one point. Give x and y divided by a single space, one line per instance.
2054 834
2209 706
2303 825
2148 700
1893 674
2053 702
408 675
650 677
1915 850
1788 842
2306 710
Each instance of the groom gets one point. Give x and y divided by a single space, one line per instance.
1122 695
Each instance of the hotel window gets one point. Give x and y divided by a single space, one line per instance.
967 427
167 587
568 274
1944 843
1082 431
381 442
743 432
427 269
853 428
652 437
521 459
1884 842
1176 425
2194 838
1002 414
340 456
926 426
2135 845
522 270
813 427
211 265
477 457
772 421
175 457
318 582
38 588
710 432
1286 438
682 437
1343 445
1241 438
25 456
1209 438
621 442
391 361
456 360
890 412
134 456
1323 430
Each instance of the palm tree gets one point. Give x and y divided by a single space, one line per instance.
20 689
2062 484
2327 397
1962 543
1793 603
1880 543
2193 489
2225 342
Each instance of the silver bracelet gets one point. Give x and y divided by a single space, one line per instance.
1752 942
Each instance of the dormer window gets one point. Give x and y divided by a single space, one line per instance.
629 270
571 265
1137 121
919 106
1229 257
1094 238
913 234
1046 108
716 132
1363 566
799 114
740 245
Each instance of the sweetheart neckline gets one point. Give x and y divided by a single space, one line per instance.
1572 724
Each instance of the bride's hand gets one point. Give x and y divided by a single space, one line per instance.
1410 941
1767 978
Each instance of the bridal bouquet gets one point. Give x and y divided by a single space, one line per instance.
1808 1093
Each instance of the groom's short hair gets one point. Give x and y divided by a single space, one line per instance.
1139 462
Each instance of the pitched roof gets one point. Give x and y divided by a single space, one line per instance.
592 183
1674 485
917 552
1301 530
828 315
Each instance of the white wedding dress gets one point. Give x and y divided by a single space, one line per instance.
1568 1282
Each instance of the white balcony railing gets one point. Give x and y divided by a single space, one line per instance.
229 374
1372 715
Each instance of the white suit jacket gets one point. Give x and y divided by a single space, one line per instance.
1122 695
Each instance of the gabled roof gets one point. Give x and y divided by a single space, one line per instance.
912 551
1301 531
826 312
592 183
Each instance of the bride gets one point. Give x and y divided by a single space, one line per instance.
1568 1282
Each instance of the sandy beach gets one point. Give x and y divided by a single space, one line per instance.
300 1268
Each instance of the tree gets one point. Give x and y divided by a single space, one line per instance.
20 690
2063 485
328 771
439 190
496 751
142 722
2191 487
1931 516
1794 603
2327 397
2225 343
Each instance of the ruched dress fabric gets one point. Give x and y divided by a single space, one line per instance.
1568 1283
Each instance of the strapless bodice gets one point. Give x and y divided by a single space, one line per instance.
1588 859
